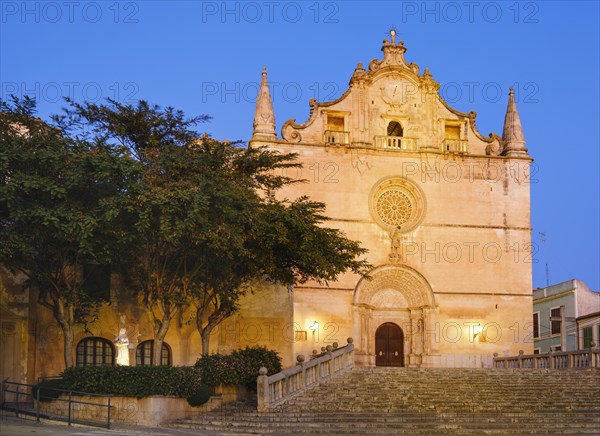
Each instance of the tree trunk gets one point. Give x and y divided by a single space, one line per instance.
160 332
205 334
68 337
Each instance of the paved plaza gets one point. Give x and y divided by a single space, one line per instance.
13 426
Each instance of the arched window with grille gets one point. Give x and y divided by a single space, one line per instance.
95 351
145 351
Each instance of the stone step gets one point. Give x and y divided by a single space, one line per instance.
404 401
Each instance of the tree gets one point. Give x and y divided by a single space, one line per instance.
59 200
253 236
164 208
204 217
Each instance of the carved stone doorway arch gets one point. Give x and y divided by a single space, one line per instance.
400 295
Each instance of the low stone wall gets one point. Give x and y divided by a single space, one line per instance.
150 411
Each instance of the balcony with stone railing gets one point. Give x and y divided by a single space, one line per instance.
399 143
589 358
454 146
336 137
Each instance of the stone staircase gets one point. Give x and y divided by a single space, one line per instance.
404 401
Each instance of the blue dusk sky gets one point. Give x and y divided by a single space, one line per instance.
206 58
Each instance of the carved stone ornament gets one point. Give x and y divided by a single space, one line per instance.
392 286
397 204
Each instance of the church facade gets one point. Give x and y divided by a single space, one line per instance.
443 211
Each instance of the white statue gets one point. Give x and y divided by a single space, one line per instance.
122 343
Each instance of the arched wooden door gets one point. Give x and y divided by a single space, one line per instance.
389 345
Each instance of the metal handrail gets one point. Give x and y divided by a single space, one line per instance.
18 393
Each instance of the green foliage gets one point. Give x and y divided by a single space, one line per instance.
48 389
188 220
201 396
134 381
298 248
239 367
60 202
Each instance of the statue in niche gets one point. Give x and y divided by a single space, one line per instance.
419 336
122 343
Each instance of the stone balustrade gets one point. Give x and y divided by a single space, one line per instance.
454 146
336 137
401 143
589 358
273 390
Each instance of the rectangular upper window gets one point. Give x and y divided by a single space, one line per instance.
452 132
587 337
335 123
536 325
556 325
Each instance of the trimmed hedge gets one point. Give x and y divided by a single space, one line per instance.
194 383
134 381
239 367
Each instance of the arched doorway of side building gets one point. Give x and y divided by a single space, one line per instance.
389 345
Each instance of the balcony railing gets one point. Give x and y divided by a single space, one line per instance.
336 137
400 143
454 146
589 358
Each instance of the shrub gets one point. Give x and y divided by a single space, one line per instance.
48 389
133 381
250 360
201 396
239 367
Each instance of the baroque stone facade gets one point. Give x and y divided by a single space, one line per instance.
443 210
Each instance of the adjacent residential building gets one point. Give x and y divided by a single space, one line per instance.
566 317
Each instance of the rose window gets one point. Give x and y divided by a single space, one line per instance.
394 207
397 204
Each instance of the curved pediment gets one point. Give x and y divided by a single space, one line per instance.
391 90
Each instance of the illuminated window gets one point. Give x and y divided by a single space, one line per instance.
145 350
95 352
335 123
452 132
